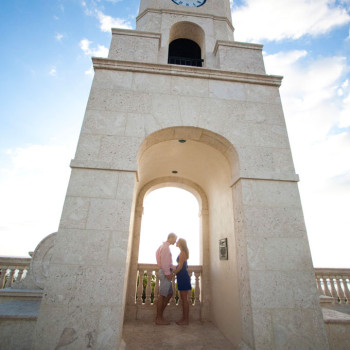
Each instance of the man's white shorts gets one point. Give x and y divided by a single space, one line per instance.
166 286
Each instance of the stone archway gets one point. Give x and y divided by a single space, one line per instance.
206 165
203 313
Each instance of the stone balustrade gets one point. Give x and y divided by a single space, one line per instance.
334 283
12 269
147 291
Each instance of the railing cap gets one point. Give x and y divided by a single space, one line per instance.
14 261
154 267
331 271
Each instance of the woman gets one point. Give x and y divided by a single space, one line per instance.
183 280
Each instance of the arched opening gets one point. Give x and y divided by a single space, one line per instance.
206 164
185 52
165 210
186 44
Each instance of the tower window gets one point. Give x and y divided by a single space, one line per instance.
185 52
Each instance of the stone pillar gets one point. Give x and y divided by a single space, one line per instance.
131 309
279 298
205 278
84 296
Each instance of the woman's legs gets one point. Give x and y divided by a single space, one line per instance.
185 308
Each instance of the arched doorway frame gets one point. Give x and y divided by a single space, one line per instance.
214 166
198 192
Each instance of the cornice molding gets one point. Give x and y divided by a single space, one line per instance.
98 165
281 178
184 13
237 44
186 71
138 33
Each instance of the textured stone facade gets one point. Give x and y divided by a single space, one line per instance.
236 153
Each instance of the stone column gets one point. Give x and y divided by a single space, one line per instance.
279 298
83 302
131 309
205 277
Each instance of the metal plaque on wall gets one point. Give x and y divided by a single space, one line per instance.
223 249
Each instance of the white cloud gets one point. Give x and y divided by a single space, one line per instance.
53 72
85 45
344 118
108 22
100 51
90 71
59 36
316 118
272 20
113 1
309 91
32 193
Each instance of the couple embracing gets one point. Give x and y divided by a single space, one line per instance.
167 273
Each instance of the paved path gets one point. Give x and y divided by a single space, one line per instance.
145 335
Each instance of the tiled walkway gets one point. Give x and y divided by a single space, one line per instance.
145 335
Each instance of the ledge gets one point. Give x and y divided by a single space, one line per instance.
98 165
186 71
291 178
331 271
335 317
132 32
14 261
20 293
237 44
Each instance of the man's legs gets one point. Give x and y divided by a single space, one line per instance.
161 305
166 302
165 293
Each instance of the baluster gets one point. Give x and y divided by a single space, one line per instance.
193 289
346 288
156 288
148 287
20 273
318 283
3 276
9 281
197 291
136 287
176 292
140 288
340 290
327 292
333 289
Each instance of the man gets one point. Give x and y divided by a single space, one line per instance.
165 264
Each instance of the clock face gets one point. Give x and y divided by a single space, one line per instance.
192 3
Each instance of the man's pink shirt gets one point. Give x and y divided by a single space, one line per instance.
164 258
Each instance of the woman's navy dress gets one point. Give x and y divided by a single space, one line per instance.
183 278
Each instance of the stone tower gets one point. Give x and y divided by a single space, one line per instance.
181 76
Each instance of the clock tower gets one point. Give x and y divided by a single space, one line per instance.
178 102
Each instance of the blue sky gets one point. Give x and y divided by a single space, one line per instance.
46 75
